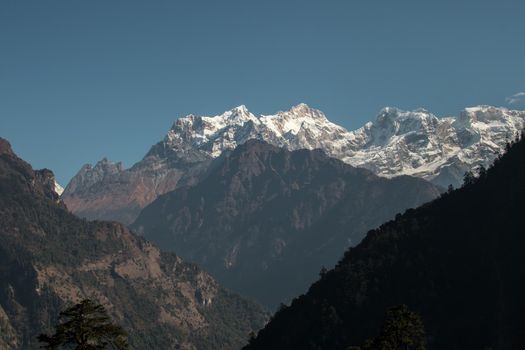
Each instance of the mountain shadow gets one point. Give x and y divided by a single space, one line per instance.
265 220
457 261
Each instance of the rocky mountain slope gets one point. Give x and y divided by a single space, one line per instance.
397 143
49 259
107 191
458 261
265 220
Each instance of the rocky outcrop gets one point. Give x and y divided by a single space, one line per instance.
50 259
107 191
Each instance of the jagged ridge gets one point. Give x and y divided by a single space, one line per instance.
397 143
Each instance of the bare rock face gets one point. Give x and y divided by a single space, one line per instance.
265 220
415 143
106 191
49 259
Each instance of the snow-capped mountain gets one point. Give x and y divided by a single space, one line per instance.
300 127
437 149
397 143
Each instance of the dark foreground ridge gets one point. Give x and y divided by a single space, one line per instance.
457 261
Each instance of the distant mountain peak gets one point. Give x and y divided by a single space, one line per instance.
296 128
302 108
241 109
238 114
5 147
395 113
488 114
303 111
397 142
90 175
107 164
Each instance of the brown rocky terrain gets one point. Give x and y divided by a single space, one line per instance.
50 259
107 191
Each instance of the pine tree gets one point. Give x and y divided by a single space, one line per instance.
482 172
469 178
85 326
402 330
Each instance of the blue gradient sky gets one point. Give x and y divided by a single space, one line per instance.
80 80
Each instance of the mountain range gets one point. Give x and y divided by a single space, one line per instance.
263 203
264 220
457 261
51 259
397 142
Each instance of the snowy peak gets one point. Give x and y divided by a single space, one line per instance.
396 143
438 149
295 128
58 189
300 117
487 115
393 124
407 121
302 111
237 116
396 115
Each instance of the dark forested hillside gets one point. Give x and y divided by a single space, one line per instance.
50 259
265 220
458 261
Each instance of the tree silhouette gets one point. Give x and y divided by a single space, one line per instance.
85 326
402 330
469 178
482 172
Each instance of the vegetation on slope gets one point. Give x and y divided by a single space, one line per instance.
50 259
457 261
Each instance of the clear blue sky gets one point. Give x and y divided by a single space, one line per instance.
80 80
